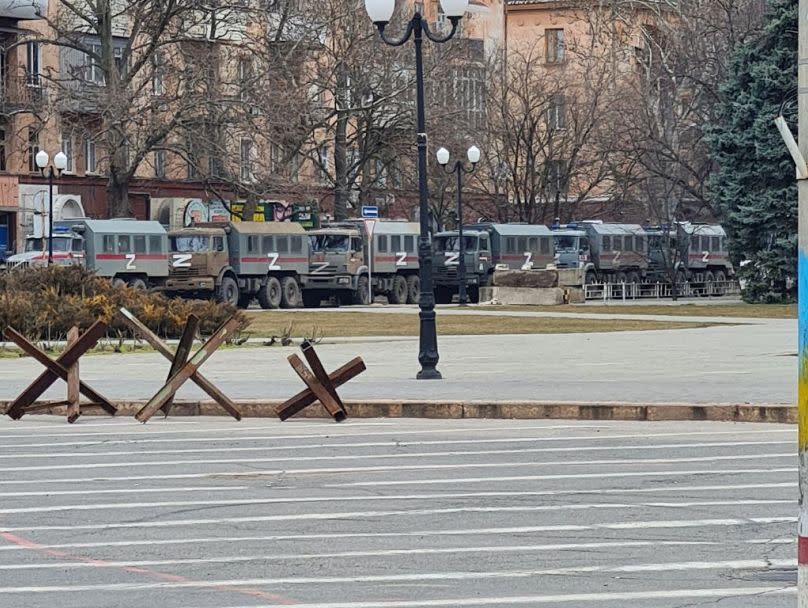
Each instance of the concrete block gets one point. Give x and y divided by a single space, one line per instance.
570 277
526 278
523 295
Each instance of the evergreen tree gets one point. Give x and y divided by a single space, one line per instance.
754 189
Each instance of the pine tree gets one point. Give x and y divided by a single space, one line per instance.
754 189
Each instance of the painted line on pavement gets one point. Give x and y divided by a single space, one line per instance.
320 446
327 516
737 565
125 491
398 467
582 598
432 496
228 559
274 473
636 525
600 437
456 480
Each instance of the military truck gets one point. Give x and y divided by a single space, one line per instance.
127 251
347 264
694 253
619 252
237 262
572 249
488 247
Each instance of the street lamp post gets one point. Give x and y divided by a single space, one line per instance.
459 168
59 165
380 12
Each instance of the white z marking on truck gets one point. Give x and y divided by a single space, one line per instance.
402 258
320 268
528 260
181 260
706 258
130 261
616 260
273 261
452 258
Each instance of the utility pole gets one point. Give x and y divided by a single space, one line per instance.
802 273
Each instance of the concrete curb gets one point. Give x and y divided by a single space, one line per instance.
519 410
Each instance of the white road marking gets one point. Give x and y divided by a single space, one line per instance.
163 523
596 598
252 473
321 446
752 564
455 480
397 467
637 525
228 559
400 432
125 491
435 496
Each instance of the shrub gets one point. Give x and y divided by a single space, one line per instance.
44 303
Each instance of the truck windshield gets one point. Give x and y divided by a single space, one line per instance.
452 243
330 242
190 244
566 243
60 244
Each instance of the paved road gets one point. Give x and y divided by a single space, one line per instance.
209 513
727 364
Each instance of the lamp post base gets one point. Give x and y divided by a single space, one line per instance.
428 373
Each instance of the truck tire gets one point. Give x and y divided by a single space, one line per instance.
269 296
591 278
473 293
443 295
398 295
311 299
290 293
720 278
361 295
118 282
709 283
413 288
138 283
227 293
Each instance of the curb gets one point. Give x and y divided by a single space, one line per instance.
516 410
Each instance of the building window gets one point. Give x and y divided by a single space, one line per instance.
158 86
90 159
246 160
325 164
557 112
67 149
244 76
3 166
33 66
554 45
95 71
557 177
275 158
33 149
160 163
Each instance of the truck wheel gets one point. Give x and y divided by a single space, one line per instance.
311 299
473 293
413 288
620 277
591 278
117 283
720 279
443 295
398 295
361 295
709 283
269 296
228 292
290 293
138 284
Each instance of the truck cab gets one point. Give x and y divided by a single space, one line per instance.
197 260
68 249
571 248
446 262
336 264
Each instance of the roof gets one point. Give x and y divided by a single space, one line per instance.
345 231
614 228
267 227
396 228
192 230
515 229
122 226
569 232
703 229
455 233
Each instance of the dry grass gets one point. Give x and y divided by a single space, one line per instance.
752 311
350 324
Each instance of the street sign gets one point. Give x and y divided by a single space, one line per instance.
370 211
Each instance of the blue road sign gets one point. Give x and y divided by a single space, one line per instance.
370 211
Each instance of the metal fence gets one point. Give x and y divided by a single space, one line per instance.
659 291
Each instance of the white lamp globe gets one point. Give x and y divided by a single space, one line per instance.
454 8
443 156
42 159
474 155
380 11
60 161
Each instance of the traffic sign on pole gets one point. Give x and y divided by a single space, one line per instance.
370 211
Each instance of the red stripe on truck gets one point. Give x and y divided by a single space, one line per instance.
122 256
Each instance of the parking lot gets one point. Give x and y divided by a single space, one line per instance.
210 513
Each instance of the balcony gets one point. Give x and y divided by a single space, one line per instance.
20 94
23 9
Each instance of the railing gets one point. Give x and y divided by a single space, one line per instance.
638 291
19 93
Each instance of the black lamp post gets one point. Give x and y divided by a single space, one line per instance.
59 165
380 12
459 168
